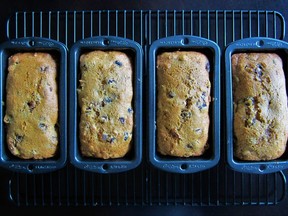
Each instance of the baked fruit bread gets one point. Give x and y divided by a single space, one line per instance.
260 106
32 105
183 98
105 98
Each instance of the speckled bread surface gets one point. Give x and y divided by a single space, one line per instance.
260 106
32 106
105 96
183 98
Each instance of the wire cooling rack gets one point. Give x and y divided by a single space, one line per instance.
219 186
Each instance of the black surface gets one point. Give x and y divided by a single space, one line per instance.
9 7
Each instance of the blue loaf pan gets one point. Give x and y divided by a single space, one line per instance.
134 157
212 155
256 44
59 51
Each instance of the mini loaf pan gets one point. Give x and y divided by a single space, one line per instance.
59 51
134 157
211 157
256 44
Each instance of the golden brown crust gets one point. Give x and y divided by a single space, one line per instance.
183 100
31 106
105 99
260 106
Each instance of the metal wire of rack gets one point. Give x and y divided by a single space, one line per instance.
145 186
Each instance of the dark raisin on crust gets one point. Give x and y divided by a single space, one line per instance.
174 134
126 136
43 126
171 94
118 63
122 120
185 114
207 67
44 68
31 105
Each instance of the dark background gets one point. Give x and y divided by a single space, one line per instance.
8 7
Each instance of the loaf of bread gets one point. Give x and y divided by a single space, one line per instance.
105 98
260 106
32 106
183 98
